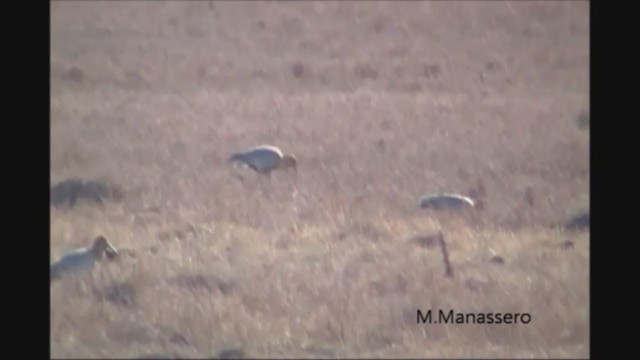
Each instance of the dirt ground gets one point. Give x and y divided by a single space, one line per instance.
381 102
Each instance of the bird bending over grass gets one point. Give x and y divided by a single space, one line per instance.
264 159
446 201
82 259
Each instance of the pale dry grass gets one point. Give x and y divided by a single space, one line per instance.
380 102
312 292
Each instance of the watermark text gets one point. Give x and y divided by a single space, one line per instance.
453 317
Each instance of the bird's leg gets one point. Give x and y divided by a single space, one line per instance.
267 176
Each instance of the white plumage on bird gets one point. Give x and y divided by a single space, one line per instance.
264 159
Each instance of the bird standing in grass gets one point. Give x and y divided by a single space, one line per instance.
82 259
264 159
446 201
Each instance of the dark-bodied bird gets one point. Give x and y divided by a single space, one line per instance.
578 221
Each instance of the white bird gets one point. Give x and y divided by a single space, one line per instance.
446 200
82 259
265 158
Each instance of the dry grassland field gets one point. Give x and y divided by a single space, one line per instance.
381 103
